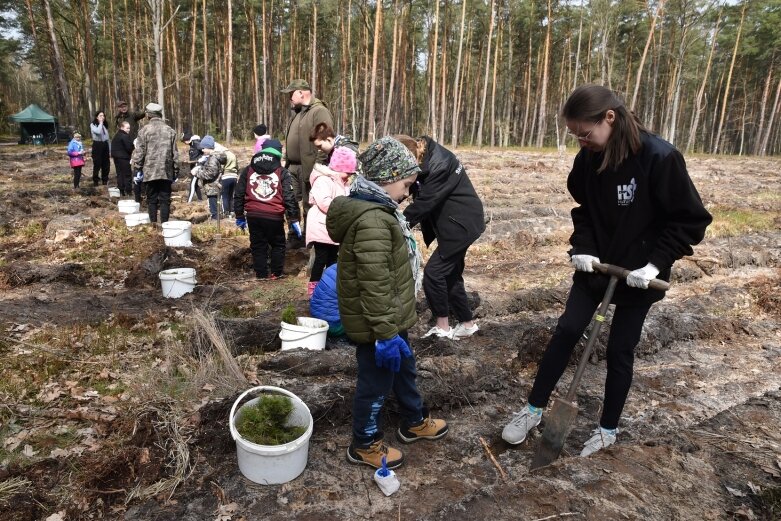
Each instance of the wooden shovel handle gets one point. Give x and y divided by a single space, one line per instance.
618 271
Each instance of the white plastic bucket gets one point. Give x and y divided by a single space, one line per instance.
177 282
128 206
134 219
113 192
273 464
310 333
177 233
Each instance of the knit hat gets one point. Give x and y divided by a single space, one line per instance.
260 130
187 136
343 160
207 142
273 147
387 161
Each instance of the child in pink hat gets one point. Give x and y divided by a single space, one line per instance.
328 182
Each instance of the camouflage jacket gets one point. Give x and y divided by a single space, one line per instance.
209 173
156 153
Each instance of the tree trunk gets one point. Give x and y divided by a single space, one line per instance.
493 83
64 104
701 92
762 109
766 138
645 53
207 105
314 46
229 96
725 99
389 101
442 78
432 63
456 90
377 32
543 121
577 54
485 81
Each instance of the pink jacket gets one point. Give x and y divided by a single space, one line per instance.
326 185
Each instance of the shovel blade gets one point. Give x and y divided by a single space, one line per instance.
558 425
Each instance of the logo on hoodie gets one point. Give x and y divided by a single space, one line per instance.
264 186
626 193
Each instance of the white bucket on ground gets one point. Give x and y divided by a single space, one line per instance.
177 282
273 464
128 206
134 219
113 192
309 333
177 233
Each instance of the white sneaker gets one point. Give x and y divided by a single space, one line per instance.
601 438
440 333
523 421
460 331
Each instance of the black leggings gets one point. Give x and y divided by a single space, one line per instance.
76 176
101 162
625 332
443 284
325 255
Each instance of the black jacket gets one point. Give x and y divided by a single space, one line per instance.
445 203
270 200
121 146
647 210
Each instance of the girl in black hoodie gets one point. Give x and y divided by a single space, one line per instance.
638 209
448 209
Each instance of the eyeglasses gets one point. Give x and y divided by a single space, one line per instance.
586 137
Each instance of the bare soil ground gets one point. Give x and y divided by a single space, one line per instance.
115 401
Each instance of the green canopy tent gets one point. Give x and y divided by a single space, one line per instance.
34 120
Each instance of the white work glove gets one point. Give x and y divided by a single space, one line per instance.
584 262
641 277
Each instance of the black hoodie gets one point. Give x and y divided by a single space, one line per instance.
647 210
445 204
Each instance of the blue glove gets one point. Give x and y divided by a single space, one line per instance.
296 228
388 353
139 177
241 222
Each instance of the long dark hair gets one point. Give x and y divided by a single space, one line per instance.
591 103
95 121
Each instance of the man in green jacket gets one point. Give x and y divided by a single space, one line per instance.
376 292
300 153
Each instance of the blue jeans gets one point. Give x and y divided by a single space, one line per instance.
374 385
228 186
213 207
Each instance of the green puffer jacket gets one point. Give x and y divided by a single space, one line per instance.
374 279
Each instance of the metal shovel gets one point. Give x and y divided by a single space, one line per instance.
561 418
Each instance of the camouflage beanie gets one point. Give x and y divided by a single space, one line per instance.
387 161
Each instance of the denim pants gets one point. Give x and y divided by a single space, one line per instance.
625 332
228 187
374 385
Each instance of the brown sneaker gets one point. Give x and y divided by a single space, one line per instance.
430 429
372 455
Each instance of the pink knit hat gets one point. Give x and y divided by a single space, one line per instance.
343 160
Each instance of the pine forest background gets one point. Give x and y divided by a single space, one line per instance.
705 75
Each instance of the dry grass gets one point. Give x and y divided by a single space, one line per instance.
10 487
173 437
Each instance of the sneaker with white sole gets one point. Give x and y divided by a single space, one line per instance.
523 421
440 333
600 439
461 331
